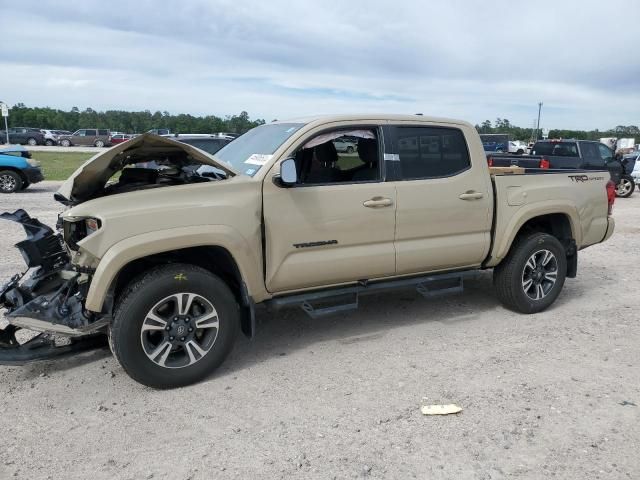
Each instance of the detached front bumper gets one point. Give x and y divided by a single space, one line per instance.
50 300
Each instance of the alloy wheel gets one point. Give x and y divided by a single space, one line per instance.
624 187
7 183
540 274
179 330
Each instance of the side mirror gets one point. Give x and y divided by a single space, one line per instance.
288 175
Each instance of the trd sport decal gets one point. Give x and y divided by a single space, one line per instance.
316 244
584 178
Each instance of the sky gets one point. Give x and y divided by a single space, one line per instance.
280 59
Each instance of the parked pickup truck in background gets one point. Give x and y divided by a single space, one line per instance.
572 154
171 261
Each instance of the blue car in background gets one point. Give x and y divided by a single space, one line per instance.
17 169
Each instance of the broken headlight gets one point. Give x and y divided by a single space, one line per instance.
77 230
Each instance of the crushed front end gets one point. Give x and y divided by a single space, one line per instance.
45 309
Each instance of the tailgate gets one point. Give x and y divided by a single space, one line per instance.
581 196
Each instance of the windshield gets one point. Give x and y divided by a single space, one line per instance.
249 152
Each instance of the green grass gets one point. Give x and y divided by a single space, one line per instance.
60 166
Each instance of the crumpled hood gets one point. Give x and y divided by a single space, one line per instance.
94 173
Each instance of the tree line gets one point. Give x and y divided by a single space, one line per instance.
138 122
129 122
503 125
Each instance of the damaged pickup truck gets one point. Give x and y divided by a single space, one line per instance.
167 250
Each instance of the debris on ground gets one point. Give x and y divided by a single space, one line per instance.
440 409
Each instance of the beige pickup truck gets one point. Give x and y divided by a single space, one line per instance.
168 249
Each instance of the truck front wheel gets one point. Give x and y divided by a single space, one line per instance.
532 275
174 325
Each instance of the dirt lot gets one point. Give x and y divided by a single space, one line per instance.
555 394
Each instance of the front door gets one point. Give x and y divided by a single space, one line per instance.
337 224
444 204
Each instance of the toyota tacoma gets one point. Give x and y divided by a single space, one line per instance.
167 250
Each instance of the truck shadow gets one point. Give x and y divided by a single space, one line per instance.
282 332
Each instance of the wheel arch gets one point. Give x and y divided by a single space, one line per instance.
214 258
218 248
558 224
17 170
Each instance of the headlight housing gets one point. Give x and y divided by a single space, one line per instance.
79 229
32 162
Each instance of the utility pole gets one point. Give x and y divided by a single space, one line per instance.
538 125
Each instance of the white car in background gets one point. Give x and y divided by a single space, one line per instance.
518 147
636 171
51 136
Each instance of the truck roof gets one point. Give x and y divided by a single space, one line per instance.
320 119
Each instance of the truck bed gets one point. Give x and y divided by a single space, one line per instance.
580 195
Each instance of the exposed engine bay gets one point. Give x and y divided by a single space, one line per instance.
49 296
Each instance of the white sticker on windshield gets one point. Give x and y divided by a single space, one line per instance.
258 159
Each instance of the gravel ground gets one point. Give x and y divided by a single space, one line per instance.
555 394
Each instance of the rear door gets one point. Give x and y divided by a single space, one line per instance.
19 135
90 137
444 203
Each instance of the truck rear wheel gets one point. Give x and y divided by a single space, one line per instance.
532 275
174 325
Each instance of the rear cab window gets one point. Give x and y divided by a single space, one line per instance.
431 152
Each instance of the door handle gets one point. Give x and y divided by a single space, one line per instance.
471 195
378 202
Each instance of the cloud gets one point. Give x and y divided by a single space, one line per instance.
283 59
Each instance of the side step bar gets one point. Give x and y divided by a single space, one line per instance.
326 302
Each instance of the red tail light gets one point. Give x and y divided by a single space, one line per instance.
611 195
544 163
490 161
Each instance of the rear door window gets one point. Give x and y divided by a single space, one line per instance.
103 132
431 152
90 133
591 154
605 153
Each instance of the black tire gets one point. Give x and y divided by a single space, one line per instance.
65 143
25 185
625 186
99 144
49 143
511 275
10 181
32 142
142 297
350 150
